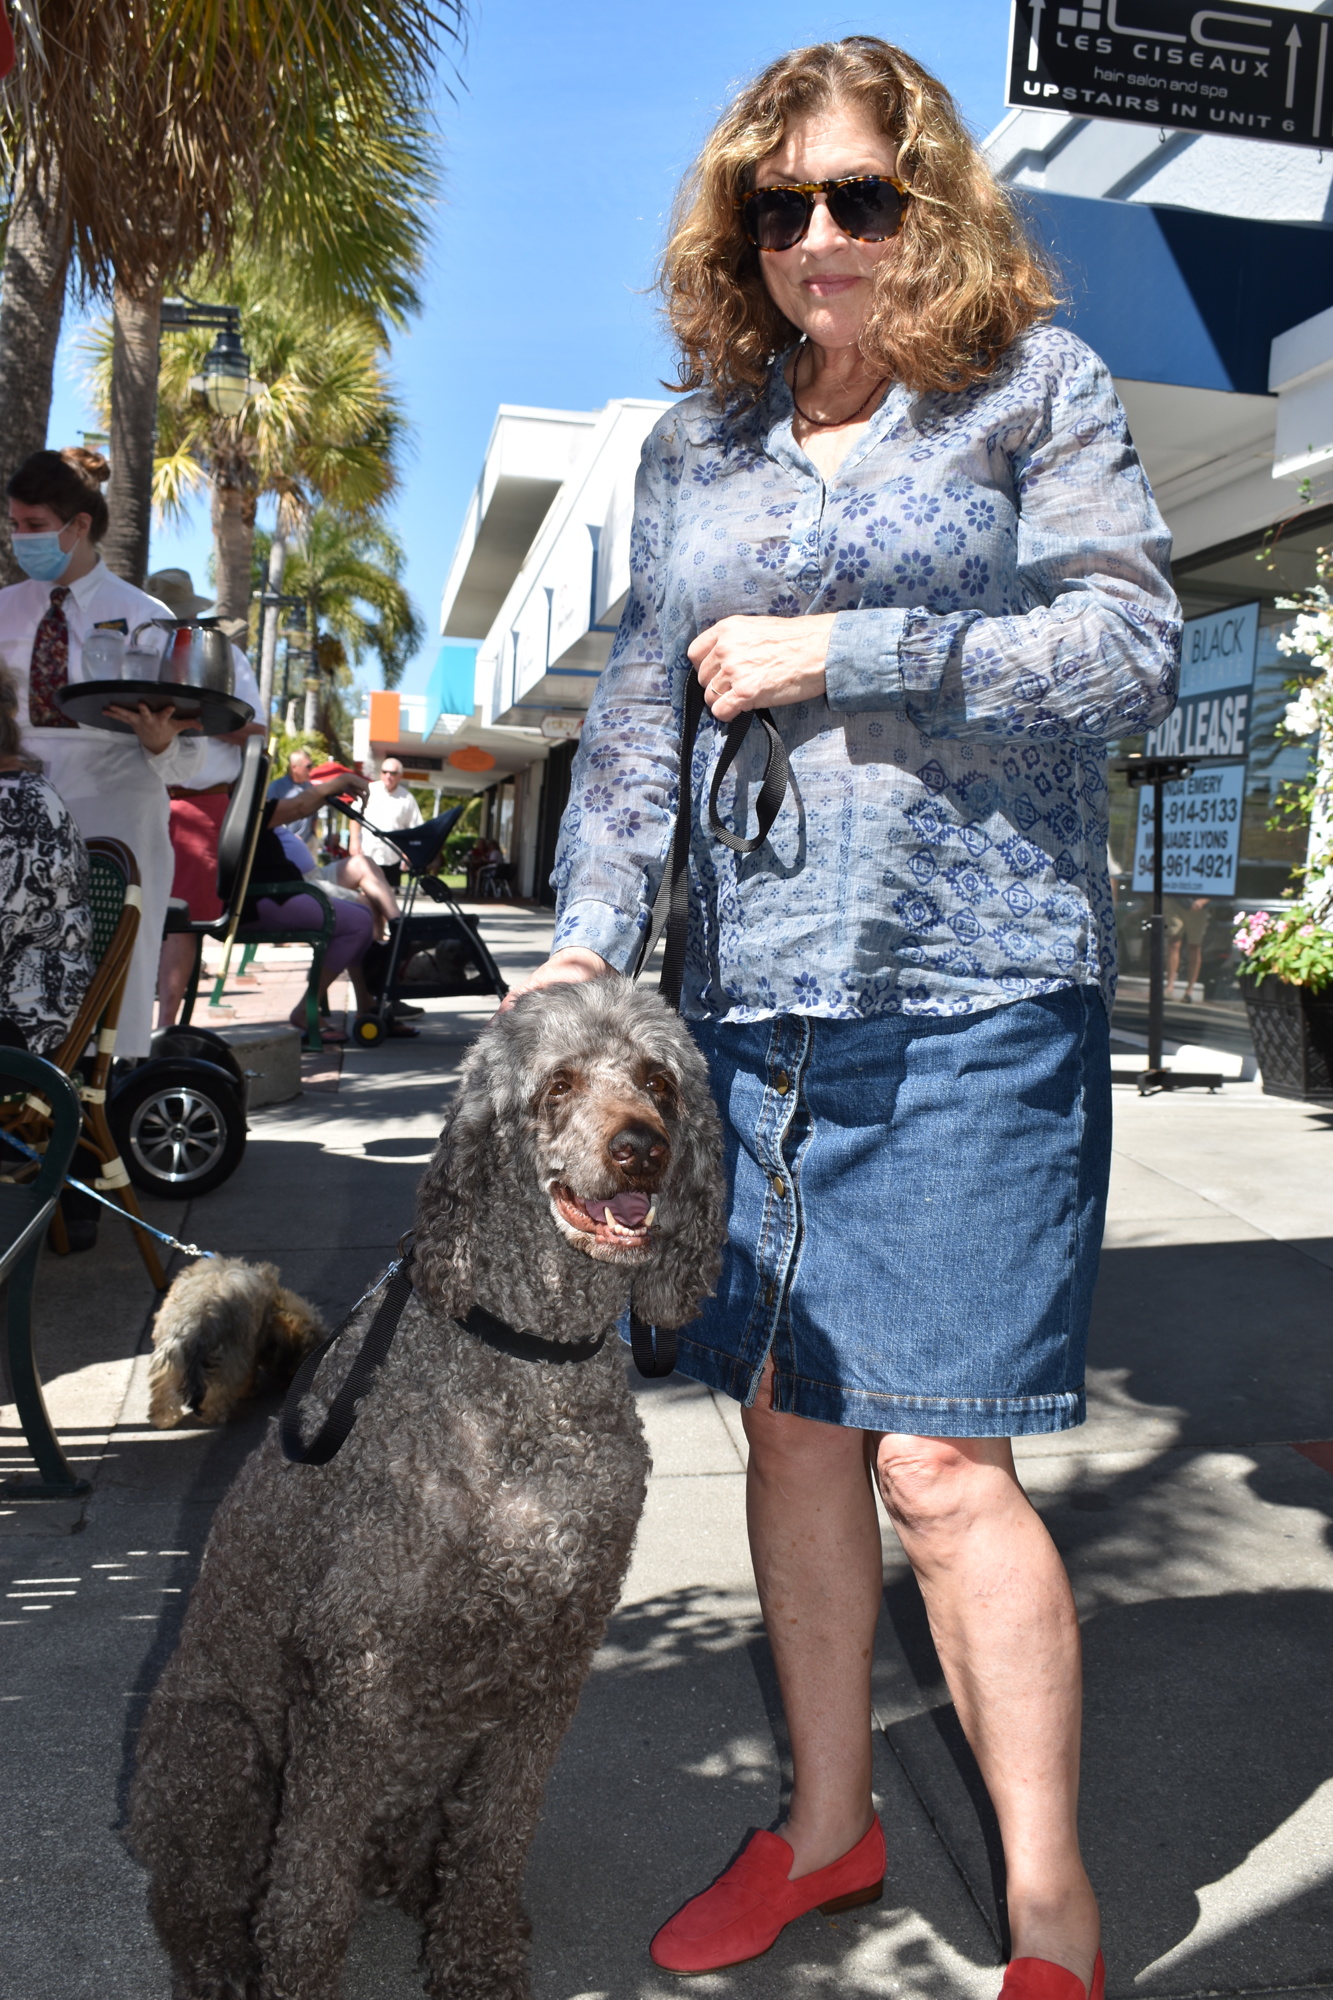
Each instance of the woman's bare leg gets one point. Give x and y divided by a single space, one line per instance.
814 1542
357 871
1007 1635
1004 1624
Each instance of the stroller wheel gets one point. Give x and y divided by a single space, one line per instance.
367 1030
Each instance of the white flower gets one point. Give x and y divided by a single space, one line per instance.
1312 634
1302 717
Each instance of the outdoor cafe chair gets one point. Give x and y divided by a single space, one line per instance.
88 1050
28 1197
237 840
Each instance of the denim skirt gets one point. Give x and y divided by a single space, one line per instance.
916 1213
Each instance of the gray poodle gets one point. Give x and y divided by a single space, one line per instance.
382 1653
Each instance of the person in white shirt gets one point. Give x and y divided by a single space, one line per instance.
199 807
390 808
114 786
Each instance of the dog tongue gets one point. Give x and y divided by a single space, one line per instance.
629 1209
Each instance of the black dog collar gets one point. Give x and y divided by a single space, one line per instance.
512 1340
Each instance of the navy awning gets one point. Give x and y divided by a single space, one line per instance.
1177 295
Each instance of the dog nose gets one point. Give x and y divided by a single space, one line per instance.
639 1149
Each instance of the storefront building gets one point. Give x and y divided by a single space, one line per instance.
1200 267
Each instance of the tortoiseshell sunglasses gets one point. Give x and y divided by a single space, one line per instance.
869 207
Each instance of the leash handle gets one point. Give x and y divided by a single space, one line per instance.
653 1347
676 885
332 1433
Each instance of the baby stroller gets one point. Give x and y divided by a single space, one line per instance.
432 953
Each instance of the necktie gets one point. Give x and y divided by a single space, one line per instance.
50 665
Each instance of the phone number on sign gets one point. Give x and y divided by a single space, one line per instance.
1178 867
1200 812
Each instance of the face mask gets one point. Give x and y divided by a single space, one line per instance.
41 556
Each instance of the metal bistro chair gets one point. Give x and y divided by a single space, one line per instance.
89 1048
237 841
27 1204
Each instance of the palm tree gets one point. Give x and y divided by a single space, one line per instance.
145 132
348 569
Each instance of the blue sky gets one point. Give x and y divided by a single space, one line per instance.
569 131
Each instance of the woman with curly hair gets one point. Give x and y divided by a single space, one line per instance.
901 521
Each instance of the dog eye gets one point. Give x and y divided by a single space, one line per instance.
659 1085
559 1086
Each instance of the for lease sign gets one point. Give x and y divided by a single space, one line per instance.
1253 72
1217 656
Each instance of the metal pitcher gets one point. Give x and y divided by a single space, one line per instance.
198 655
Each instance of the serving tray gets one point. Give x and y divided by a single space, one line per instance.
216 714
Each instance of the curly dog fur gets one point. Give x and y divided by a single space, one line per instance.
382 1655
221 1323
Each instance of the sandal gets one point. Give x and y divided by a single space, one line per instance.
330 1036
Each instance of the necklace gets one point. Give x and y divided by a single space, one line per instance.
834 423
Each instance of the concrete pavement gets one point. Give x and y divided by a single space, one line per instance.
1198 1541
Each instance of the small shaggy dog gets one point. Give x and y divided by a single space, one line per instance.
382 1653
222 1321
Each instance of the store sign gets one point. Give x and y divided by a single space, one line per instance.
1217 655
1201 818
1252 72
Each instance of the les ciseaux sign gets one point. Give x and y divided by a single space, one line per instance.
1253 72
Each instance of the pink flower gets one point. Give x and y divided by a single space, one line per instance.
1244 944
1306 930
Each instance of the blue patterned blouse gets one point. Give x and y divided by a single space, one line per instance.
1000 574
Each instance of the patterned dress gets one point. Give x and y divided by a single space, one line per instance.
46 919
999 572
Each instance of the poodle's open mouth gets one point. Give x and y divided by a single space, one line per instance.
617 1222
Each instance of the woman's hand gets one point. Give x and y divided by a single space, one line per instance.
745 663
156 728
561 968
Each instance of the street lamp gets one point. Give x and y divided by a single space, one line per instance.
225 383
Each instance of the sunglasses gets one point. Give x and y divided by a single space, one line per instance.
869 207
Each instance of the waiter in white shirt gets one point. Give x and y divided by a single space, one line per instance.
390 808
114 786
199 807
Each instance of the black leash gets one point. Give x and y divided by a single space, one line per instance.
653 1347
649 1358
772 792
332 1433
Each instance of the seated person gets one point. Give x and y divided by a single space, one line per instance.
46 919
297 777
353 923
352 875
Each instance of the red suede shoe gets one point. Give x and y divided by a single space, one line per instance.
752 1901
1039 1979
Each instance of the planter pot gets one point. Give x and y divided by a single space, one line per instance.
1293 1038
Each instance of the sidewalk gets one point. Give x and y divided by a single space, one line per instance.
1199 1543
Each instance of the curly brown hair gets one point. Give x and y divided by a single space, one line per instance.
964 280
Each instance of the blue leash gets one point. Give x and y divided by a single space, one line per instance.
135 1221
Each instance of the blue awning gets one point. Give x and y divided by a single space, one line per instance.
451 687
1176 295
